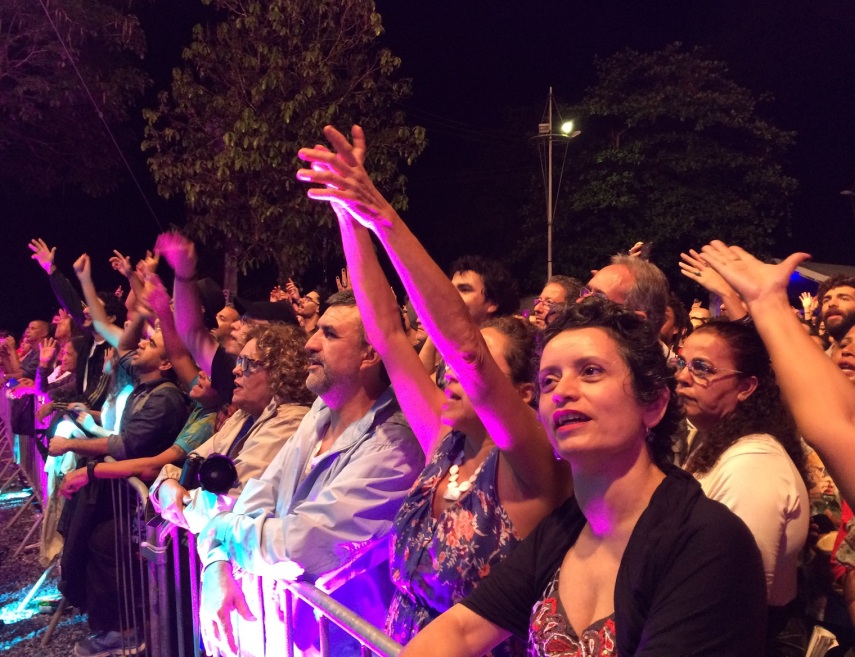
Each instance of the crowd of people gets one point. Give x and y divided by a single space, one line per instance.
611 474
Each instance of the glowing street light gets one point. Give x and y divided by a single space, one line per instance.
546 131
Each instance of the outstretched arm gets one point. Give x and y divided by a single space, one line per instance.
511 424
178 354
180 254
100 321
821 398
415 390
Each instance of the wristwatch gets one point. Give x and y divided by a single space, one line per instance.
90 471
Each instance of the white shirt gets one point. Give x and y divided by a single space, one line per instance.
757 480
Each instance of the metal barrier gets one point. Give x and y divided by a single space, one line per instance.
129 497
174 613
21 462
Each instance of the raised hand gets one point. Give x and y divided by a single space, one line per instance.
342 282
83 268
694 268
750 277
345 179
278 294
121 264
47 350
809 303
179 253
292 291
156 295
148 265
42 254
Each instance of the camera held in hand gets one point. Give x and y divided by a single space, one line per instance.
215 474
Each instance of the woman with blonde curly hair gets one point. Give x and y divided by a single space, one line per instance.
271 397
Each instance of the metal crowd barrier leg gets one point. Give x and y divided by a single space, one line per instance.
129 499
54 621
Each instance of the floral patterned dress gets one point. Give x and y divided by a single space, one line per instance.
551 635
436 562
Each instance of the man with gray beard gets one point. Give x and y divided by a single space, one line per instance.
327 498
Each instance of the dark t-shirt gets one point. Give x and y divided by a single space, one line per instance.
690 581
222 378
154 414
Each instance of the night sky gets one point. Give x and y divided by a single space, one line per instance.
474 62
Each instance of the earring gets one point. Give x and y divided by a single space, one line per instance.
649 435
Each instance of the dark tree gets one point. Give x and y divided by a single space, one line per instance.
672 151
254 89
51 135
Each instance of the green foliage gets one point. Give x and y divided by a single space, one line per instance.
256 88
672 151
50 133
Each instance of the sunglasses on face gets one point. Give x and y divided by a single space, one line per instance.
248 365
701 370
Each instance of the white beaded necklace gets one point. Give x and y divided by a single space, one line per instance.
453 491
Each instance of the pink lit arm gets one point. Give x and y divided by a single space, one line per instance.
415 390
509 421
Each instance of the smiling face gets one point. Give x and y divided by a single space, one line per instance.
252 391
706 400
203 392
586 401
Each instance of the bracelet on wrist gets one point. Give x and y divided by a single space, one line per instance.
90 471
186 279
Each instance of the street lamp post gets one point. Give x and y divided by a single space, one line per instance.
546 131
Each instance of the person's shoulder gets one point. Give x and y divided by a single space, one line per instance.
755 443
289 412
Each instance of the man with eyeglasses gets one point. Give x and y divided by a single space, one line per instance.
556 294
634 282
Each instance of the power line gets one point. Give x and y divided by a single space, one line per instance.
99 113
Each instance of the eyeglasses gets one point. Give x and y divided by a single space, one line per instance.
549 303
588 292
248 365
701 370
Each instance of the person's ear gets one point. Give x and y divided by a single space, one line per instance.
370 357
655 411
746 388
526 391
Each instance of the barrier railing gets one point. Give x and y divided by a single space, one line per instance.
129 497
174 612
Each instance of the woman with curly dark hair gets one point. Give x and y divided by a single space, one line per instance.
615 570
746 453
